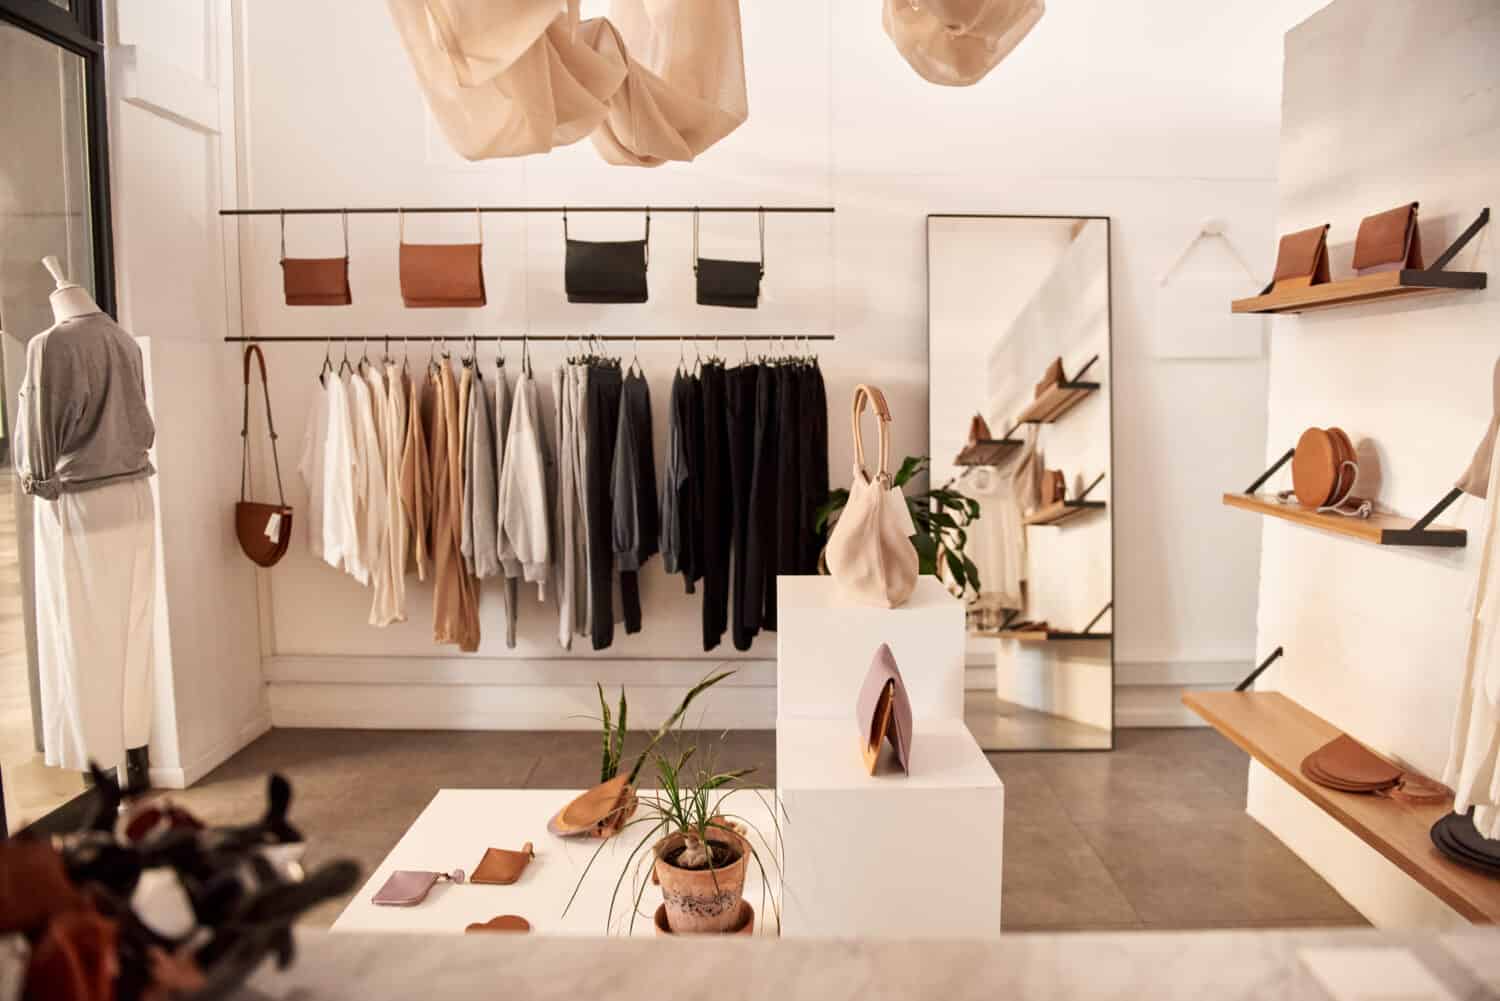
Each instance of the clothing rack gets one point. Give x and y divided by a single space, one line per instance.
509 209
490 338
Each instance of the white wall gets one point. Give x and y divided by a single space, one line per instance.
1384 103
1156 115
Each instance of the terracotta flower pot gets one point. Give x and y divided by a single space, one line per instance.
702 901
744 924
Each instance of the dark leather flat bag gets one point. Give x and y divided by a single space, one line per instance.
1388 241
442 275
315 281
264 530
729 283
608 271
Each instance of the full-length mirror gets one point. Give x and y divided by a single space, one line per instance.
1020 440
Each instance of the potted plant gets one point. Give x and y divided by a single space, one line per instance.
699 851
941 516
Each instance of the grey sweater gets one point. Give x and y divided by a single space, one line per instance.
81 418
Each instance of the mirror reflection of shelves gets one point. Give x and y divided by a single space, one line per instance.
988 452
1063 511
1059 398
1040 632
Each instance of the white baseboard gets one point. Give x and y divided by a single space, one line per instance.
185 775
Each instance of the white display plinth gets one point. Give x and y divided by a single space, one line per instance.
889 855
459 824
824 645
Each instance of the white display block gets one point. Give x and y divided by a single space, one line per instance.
459 824
824 644
888 855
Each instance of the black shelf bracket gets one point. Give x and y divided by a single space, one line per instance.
1095 620
1260 480
1089 489
1421 535
1462 241
1250 678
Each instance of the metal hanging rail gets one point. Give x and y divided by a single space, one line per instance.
558 209
490 338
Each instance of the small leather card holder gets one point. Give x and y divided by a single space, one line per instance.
1388 241
1302 259
500 867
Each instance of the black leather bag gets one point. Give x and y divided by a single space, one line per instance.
729 283
611 271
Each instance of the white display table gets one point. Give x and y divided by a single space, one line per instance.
459 824
824 646
888 855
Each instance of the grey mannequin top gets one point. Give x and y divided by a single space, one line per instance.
81 419
1477 480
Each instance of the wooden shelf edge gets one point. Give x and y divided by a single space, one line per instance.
989 452
1061 512
1056 401
1362 289
1379 529
1050 636
1379 822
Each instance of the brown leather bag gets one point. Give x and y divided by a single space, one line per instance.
1054 486
979 430
1302 259
442 275
1389 241
1324 468
1051 377
315 281
264 530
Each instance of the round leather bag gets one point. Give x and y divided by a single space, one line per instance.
1315 467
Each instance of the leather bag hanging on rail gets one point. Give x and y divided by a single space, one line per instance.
315 281
606 271
870 553
264 530
729 283
442 275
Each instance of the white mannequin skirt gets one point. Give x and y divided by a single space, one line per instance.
95 598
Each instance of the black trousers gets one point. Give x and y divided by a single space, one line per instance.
599 464
716 511
760 573
635 420
812 456
742 390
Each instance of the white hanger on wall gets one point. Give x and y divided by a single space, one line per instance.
1209 230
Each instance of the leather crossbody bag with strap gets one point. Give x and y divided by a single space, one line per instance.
264 530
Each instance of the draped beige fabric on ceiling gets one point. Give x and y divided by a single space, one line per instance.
657 80
957 42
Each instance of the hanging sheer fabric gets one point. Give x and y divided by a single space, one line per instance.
957 42
657 80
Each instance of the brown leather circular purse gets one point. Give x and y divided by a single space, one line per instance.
1324 468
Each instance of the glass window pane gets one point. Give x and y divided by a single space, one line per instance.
44 209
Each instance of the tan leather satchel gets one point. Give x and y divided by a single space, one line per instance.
264 530
870 552
315 281
442 275
1302 259
1388 241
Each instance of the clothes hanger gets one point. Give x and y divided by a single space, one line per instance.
345 363
500 351
681 353
635 358
327 365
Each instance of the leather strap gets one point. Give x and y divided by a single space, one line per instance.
344 215
254 350
695 239
648 233
876 398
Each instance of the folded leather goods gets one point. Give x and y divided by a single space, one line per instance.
1302 259
503 922
502 868
883 712
1419 789
1324 467
598 812
1389 241
1455 837
1346 764
1051 377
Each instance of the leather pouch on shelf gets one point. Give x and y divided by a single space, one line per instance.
264 530
1054 486
1051 377
1351 765
1389 241
979 430
502 923
315 281
883 712
1325 467
500 867
1302 259
606 271
1455 836
409 887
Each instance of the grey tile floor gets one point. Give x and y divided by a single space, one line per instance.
1151 835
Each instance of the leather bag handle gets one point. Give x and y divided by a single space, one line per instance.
862 394
254 351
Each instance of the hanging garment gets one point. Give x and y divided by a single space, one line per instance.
760 570
745 613
604 387
383 575
416 473
673 481
691 515
785 429
1473 770
505 554
957 42
813 453
633 493
455 602
565 553
715 509
398 530
311 465
481 524
368 479
523 487
580 391
654 81
341 548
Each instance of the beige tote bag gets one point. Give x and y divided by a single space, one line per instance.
870 552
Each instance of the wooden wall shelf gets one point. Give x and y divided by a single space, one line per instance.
987 452
1061 512
1279 733
1048 635
1381 529
1056 401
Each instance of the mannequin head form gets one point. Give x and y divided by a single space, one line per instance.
69 299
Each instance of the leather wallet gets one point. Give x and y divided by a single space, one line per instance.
1051 377
500 867
883 712
409 887
1346 764
438 275
597 811
316 281
1388 241
503 922
1302 258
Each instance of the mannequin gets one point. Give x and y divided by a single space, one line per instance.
83 429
